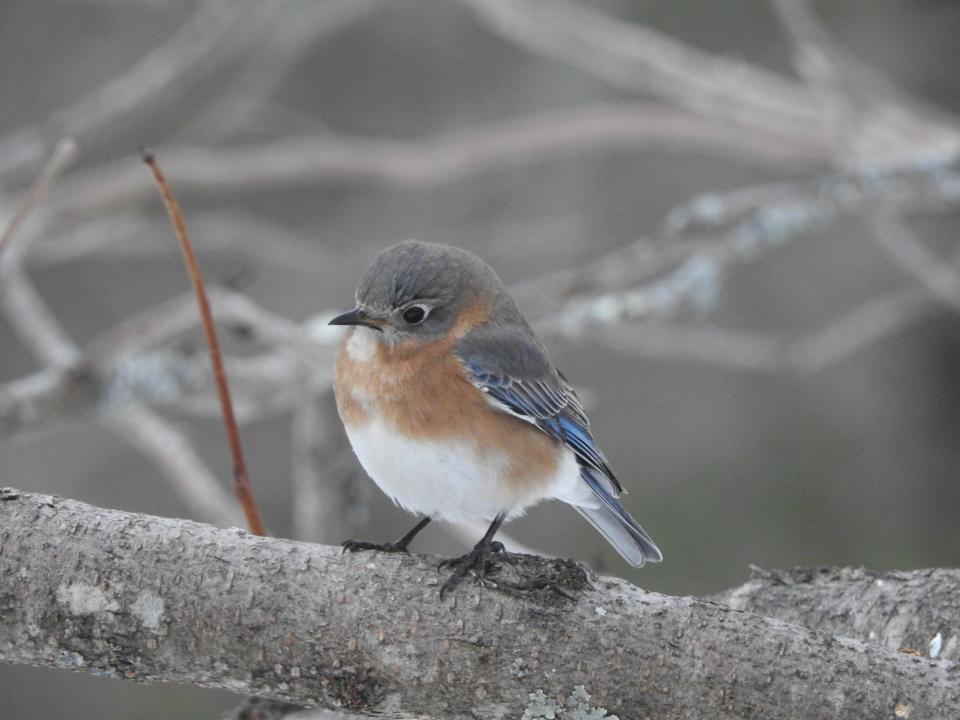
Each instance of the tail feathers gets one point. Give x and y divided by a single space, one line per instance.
622 531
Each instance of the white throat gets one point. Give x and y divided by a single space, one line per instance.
362 344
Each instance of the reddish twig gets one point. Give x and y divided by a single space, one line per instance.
242 480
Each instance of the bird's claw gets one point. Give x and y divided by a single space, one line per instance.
474 561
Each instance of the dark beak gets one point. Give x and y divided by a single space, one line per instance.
355 317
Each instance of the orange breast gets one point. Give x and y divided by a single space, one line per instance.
423 392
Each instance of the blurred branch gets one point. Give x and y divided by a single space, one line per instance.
25 309
639 59
308 624
177 315
48 395
909 253
638 261
62 156
869 323
210 37
705 239
136 235
133 362
735 350
829 68
296 30
813 56
505 143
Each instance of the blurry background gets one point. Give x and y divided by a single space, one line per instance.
734 224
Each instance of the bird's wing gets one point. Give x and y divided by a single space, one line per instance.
512 368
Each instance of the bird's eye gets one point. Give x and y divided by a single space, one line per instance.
414 315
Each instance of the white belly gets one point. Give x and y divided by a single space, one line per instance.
450 480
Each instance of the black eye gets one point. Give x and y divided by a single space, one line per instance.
414 315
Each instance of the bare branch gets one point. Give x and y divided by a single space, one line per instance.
212 35
871 321
299 28
737 350
504 143
135 235
866 324
62 156
25 309
53 393
33 321
740 226
813 55
639 59
830 68
152 599
908 252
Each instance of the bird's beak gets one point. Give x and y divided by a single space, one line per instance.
356 317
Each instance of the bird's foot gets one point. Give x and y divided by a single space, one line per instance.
532 586
474 562
387 547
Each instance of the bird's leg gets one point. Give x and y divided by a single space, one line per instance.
476 559
397 546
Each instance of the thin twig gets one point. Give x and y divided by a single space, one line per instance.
296 30
908 252
26 310
62 155
212 37
442 158
241 478
873 320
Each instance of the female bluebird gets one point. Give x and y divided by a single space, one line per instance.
454 409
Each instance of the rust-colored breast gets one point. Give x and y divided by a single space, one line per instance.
423 392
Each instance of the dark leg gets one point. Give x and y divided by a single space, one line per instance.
398 546
476 559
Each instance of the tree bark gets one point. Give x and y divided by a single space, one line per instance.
155 599
898 610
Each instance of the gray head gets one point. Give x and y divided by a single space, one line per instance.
416 290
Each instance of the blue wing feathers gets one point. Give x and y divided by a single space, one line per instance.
510 366
551 407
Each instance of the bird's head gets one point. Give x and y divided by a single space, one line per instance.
415 293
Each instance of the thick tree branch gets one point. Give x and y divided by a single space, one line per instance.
893 609
156 599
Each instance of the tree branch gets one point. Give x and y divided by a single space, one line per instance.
490 146
892 609
155 599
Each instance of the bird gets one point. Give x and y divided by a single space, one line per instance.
455 410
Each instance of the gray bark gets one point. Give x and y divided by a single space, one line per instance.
156 599
898 610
